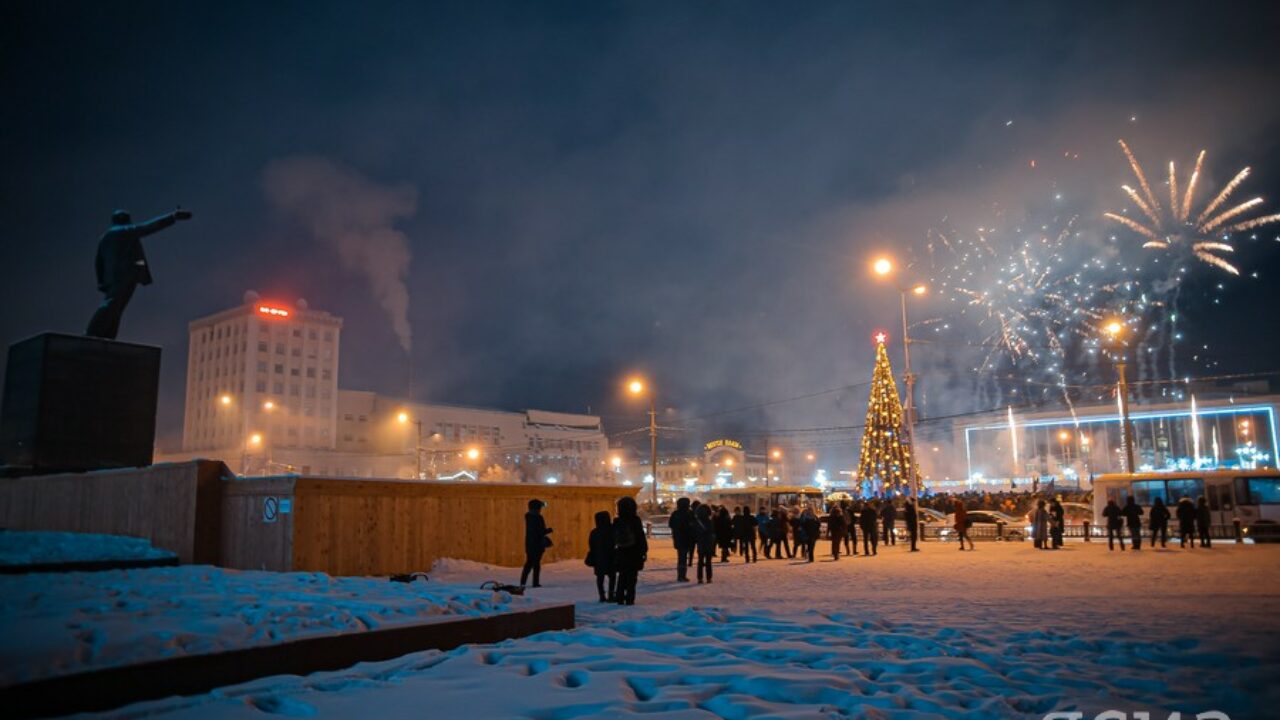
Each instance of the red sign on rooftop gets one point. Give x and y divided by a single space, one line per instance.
270 311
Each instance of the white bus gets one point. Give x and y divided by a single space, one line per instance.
788 496
1251 497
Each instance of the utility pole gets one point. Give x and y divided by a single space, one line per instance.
1126 427
653 445
910 410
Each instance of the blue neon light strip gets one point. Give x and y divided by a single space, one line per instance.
1269 410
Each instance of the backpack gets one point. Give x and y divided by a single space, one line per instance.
624 536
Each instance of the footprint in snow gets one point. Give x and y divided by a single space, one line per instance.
281 705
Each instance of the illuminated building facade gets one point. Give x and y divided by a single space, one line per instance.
1021 451
262 372
262 395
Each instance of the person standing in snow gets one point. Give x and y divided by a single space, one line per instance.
1159 522
681 524
600 556
888 516
704 538
1202 521
835 528
631 549
812 531
693 513
536 542
782 526
1057 523
1115 525
724 533
1186 522
764 527
867 519
912 518
1133 520
962 524
850 528
1040 526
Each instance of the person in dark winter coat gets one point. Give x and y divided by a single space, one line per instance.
912 519
1158 521
704 539
1057 523
681 524
782 528
1133 520
764 528
1040 526
724 533
1186 522
746 531
850 528
631 549
962 524
600 556
868 522
1202 521
812 528
1115 525
693 513
835 528
536 542
888 516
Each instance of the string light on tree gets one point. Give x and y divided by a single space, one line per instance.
886 455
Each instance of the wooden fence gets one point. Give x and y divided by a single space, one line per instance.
380 527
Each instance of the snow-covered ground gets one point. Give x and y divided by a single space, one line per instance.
1002 632
18 547
59 623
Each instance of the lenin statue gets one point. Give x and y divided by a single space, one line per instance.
122 266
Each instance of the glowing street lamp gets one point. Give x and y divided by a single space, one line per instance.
269 406
224 399
473 453
637 387
883 267
1114 329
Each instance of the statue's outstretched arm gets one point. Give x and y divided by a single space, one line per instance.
157 224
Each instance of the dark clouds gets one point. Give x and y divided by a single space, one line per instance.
687 189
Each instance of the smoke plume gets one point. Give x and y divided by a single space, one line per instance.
355 216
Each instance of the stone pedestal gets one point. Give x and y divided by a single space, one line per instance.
75 403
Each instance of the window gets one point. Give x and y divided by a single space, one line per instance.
262 386
347 417
293 372
1144 491
311 373
1185 488
363 418
279 368
277 387
311 334
262 366
297 332
297 352
326 374
262 346
294 390
279 348
1264 491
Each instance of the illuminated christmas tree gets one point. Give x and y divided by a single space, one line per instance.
885 450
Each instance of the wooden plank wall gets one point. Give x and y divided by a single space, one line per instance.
380 527
249 541
174 505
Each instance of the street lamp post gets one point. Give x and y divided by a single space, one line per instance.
637 387
883 266
403 417
1115 328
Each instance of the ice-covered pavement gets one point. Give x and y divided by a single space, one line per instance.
1003 632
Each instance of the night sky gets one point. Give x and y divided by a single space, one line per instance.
583 190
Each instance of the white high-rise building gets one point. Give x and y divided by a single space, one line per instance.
264 373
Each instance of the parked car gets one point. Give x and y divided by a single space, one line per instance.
987 524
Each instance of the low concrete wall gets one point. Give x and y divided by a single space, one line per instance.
176 506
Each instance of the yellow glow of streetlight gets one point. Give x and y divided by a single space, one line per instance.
268 406
402 417
1114 328
635 387
810 457
255 439
1084 439
1063 435
473 454
616 461
882 266
777 454
225 399
728 462
919 290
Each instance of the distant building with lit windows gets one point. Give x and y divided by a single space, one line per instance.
1020 450
262 396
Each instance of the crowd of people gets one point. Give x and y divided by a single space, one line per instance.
705 533
1193 522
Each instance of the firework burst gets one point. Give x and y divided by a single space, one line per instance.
1207 235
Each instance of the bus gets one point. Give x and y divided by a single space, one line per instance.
788 496
1251 497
